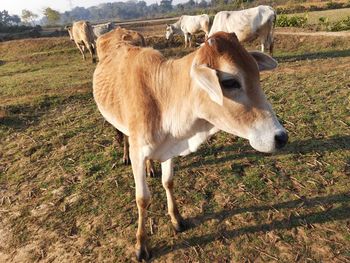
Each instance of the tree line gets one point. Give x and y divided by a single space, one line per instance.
131 9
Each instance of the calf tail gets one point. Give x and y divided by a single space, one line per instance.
120 137
206 28
271 33
93 52
143 41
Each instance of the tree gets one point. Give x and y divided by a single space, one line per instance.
28 16
203 4
7 20
15 19
189 4
51 15
166 5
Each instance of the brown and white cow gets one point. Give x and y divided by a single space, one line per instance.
83 36
169 107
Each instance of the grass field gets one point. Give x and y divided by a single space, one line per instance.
66 197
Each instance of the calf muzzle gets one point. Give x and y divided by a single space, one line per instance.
281 139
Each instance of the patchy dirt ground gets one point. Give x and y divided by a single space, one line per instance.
66 197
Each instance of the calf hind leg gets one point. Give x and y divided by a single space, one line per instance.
126 159
150 171
91 49
168 184
82 50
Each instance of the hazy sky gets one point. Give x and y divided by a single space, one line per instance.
36 6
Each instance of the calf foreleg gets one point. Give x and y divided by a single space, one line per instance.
190 39
186 39
262 47
168 184
143 198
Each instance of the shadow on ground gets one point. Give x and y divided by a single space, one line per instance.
314 55
296 147
339 213
22 116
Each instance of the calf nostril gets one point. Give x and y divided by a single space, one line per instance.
281 139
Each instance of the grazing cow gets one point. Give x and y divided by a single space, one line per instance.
101 29
188 25
83 36
169 107
107 42
248 24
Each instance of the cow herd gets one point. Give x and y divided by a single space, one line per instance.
169 107
248 25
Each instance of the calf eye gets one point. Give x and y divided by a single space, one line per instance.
231 84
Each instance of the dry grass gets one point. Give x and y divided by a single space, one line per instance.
65 197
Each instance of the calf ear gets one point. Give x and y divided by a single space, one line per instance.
207 80
265 62
126 37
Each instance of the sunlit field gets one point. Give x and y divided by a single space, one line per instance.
65 195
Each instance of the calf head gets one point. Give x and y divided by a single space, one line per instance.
169 32
69 29
110 26
227 82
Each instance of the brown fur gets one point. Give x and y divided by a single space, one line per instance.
105 45
109 40
137 98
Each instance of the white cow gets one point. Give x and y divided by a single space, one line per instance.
188 25
169 107
248 24
102 29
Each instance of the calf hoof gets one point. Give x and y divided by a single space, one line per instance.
151 173
126 161
143 253
180 226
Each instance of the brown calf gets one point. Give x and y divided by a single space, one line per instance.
169 107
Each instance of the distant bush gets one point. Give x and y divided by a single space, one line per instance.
18 29
315 8
323 20
335 26
340 25
334 5
291 21
297 8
